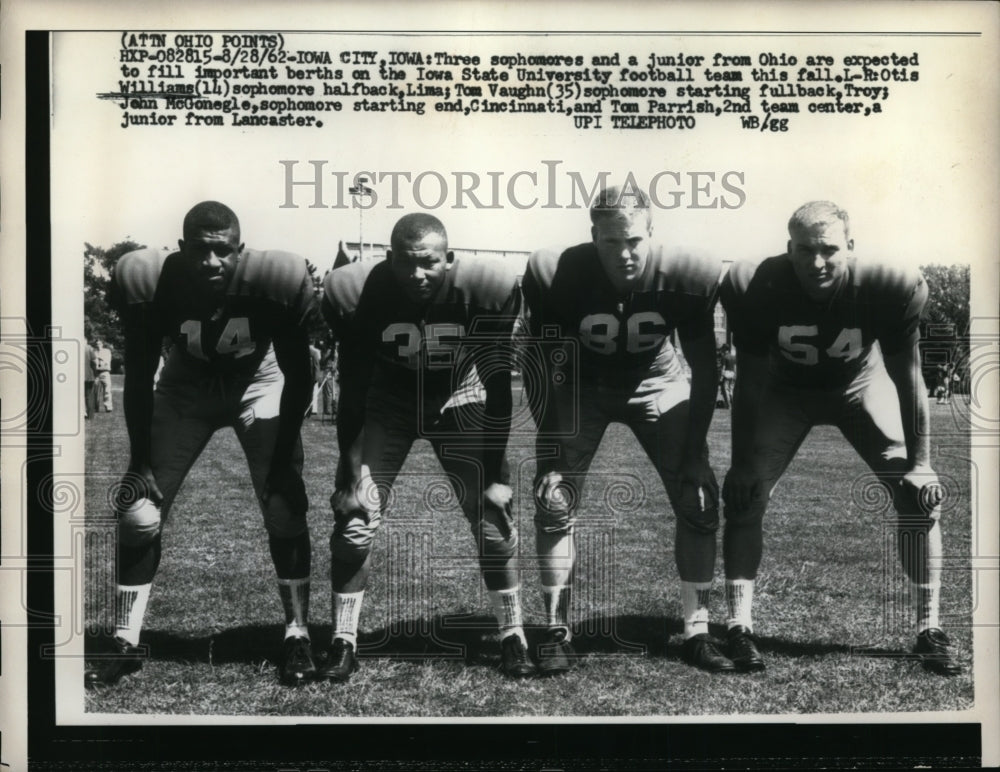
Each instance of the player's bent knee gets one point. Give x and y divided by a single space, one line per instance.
554 512
353 534
281 521
698 520
498 539
752 515
139 524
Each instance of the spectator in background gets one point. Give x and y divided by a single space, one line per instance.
88 381
101 362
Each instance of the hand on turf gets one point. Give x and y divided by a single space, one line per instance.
740 488
137 483
698 482
286 481
921 484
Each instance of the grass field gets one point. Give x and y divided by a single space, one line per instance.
831 608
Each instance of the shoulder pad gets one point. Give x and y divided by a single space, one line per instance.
272 274
137 273
687 271
542 265
342 286
881 282
487 281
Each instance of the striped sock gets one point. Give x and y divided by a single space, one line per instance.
294 595
739 601
346 614
130 608
694 606
507 609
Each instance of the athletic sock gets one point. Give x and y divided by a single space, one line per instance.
130 608
739 602
928 597
294 595
507 609
557 600
346 613
694 605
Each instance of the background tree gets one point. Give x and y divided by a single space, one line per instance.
100 320
945 324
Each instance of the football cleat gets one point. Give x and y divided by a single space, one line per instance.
297 664
514 658
704 652
555 653
120 659
742 650
934 650
339 663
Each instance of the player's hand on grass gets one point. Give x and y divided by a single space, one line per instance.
740 488
285 480
921 484
137 483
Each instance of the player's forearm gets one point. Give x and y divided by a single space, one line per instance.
499 406
295 397
142 355
700 354
138 405
750 374
904 370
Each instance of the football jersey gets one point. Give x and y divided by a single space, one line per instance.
622 338
829 344
268 292
406 343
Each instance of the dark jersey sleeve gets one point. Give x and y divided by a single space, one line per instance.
283 279
900 302
749 335
697 280
132 288
536 285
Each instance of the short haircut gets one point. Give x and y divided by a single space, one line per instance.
210 216
815 212
618 201
413 227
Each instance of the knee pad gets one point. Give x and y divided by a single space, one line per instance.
697 519
281 521
744 517
353 530
555 504
139 523
496 533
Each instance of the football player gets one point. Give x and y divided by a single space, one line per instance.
620 298
805 326
414 326
239 321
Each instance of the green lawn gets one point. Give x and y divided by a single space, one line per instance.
831 602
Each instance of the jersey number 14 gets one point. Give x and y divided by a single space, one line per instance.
235 338
847 346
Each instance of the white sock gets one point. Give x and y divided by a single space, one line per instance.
557 600
130 608
294 595
694 606
507 609
346 613
739 602
928 598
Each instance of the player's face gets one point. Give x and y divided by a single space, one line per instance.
212 256
420 265
819 255
622 247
